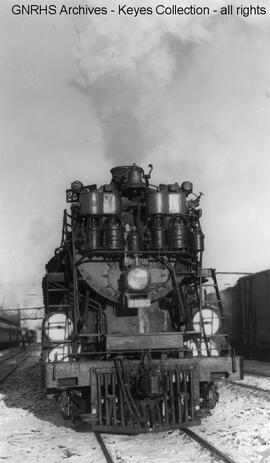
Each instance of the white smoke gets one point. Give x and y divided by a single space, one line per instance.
128 66
137 73
191 95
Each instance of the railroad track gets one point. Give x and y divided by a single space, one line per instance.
254 373
220 456
103 447
249 386
10 357
6 368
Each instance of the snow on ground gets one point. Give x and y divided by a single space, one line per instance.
8 352
257 381
169 447
32 429
240 424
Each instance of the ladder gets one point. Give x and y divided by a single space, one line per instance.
211 299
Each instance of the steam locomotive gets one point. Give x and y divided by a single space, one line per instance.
130 341
30 336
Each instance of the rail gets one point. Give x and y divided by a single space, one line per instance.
205 444
103 447
10 357
256 373
218 454
4 373
249 386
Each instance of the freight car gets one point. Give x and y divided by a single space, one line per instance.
10 331
129 340
247 313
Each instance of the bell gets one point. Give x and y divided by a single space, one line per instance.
135 177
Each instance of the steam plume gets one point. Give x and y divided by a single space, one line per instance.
191 95
128 66
137 74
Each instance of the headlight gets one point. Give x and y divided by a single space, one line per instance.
138 278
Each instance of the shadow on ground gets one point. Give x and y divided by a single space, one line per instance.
22 390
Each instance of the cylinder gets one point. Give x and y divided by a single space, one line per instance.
197 240
157 202
111 203
178 236
93 234
91 203
158 234
134 241
113 235
177 203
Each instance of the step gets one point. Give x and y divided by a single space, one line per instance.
58 290
213 301
209 284
52 306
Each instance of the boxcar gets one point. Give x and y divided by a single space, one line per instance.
247 315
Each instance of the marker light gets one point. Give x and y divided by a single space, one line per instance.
58 327
76 185
210 321
138 278
187 187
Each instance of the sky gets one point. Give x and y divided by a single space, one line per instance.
81 94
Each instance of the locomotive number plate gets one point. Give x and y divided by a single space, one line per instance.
138 302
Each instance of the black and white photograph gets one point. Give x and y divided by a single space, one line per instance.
135 231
